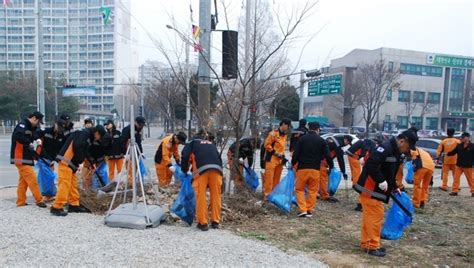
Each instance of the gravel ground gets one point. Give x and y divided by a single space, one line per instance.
29 236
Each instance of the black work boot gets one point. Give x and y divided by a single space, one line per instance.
215 225
358 207
41 205
376 252
422 205
58 212
78 209
203 227
453 194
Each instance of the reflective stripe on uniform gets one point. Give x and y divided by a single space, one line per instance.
206 167
391 159
21 161
47 135
67 161
371 193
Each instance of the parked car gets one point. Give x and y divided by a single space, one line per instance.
430 145
338 138
424 133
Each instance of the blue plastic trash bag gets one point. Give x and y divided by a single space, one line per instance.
142 168
46 178
408 170
178 173
100 177
396 220
185 204
334 181
282 195
251 178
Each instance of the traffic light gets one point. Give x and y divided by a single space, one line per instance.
69 86
314 73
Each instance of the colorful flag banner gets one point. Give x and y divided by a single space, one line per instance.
105 14
197 47
196 31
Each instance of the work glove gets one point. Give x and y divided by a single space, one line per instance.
241 161
172 169
383 186
345 176
362 161
39 142
127 157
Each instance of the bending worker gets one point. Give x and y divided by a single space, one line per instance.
275 145
71 155
335 152
423 166
449 161
309 151
168 148
246 151
375 184
22 155
207 173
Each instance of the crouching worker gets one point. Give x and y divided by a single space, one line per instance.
168 148
207 173
246 152
423 166
22 155
71 155
375 185
308 153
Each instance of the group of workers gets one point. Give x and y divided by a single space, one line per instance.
376 168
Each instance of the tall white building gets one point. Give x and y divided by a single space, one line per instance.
78 46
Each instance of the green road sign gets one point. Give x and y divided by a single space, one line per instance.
459 114
450 61
325 86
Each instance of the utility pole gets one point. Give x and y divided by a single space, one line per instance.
301 107
204 84
39 59
188 93
56 98
142 90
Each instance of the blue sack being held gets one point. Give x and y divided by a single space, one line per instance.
396 220
100 178
178 173
408 167
251 178
282 195
334 181
185 204
46 178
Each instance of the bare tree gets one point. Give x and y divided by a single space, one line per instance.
375 80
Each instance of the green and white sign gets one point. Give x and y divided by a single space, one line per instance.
327 85
450 61
459 114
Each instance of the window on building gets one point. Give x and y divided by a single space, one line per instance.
432 123
389 95
404 96
424 70
419 97
390 66
417 121
456 91
434 98
388 118
471 124
402 122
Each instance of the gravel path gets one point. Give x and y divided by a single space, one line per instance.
29 236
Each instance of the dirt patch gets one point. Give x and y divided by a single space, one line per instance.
441 234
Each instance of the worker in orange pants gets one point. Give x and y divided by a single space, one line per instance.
206 166
275 145
423 166
464 163
168 148
115 152
22 155
309 151
449 161
71 155
372 221
114 165
323 183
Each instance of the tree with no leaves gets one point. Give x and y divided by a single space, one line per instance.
374 81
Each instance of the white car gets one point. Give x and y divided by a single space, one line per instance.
338 138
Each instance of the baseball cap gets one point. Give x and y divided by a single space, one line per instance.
38 115
313 125
181 136
140 120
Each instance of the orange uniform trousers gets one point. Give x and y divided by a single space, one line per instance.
372 220
68 191
457 178
355 167
445 174
27 180
164 173
213 180
421 183
310 178
273 170
114 164
323 183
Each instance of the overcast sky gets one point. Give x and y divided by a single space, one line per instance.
442 26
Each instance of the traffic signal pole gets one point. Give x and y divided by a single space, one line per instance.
301 107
